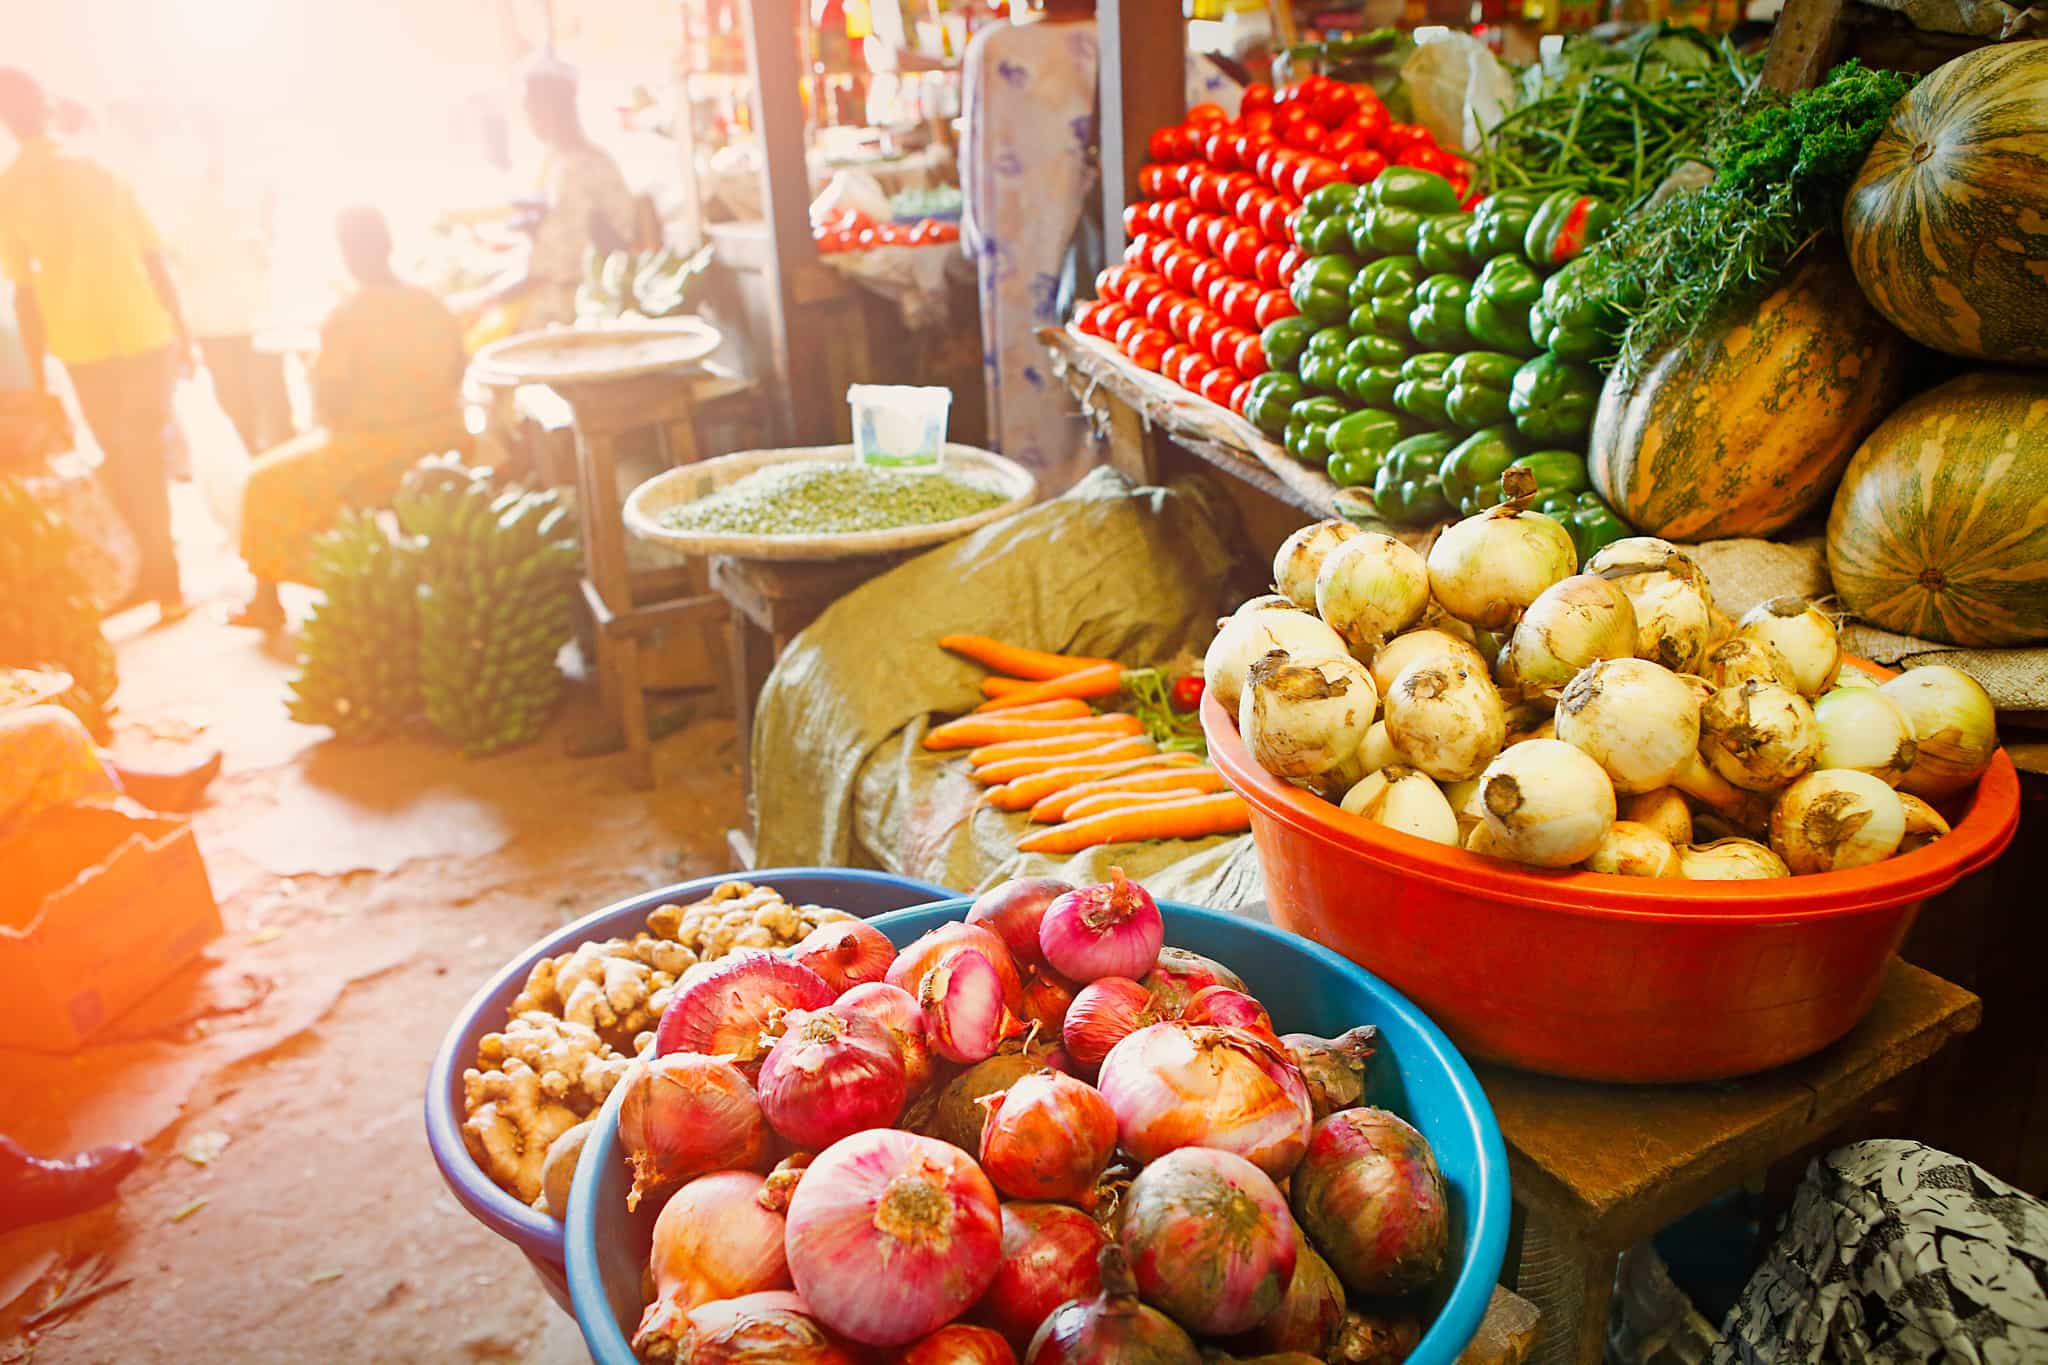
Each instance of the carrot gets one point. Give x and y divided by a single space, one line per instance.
972 731
1116 750
997 686
1015 660
1036 748
1104 802
1104 680
1056 708
1187 817
1026 792
1150 785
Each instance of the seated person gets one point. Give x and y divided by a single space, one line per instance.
386 389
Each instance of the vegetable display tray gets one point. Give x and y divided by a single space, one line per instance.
1416 1072
1599 977
536 1234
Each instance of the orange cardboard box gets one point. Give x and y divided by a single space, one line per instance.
98 907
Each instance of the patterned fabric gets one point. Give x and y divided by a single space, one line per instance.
47 758
589 204
1896 1252
1028 165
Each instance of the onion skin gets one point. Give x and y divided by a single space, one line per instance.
833 1073
1113 1328
1955 727
846 953
1547 803
1406 650
1113 929
1400 798
1050 1254
1446 720
1252 635
1179 1085
1663 810
1226 1008
1047 998
1759 736
902 1018
1303 717
1012 911
1299 561
957 1116
1369 1195
1730 860
1862 728
1836 818
915 962
1333 1068
1632 850
889 1207
1371 586
685 1115
1048 1137
1735 661
737 1009
1180 974
959 1343
1106 1012
1640 722
773 1327
1310 1315
1924 824
713 1240
1208 1240
1376 1339
1803 636
962 999
1574 622
1486 570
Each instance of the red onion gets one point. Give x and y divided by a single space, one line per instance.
1114 929
833 1072
1013 909
714 1240
687 1114
959 1343
1180 974
1184 1085
1209 1240
780 1187
962 998
1334 1068
1311 1313
775 1327
1106 1012
1228 1008
891 1235
1047 996
1370 1196
911 965
1113 1328
1049 1255
846 953
1376 1339
1048 1136
900 1016
957 1115
739 1007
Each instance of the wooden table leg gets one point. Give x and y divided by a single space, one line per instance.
1571 1283
604 558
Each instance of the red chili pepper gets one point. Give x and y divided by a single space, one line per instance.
1187 692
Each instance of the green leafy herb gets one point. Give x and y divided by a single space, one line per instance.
1152 702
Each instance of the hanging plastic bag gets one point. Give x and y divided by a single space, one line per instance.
1458 87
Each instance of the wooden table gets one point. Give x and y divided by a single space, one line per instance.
1598 1168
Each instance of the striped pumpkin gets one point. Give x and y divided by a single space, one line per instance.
1940 527
1741 430
1947 222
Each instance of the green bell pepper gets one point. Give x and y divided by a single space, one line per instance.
1498 314
1358 443
1473 467
1270 397
1579 313
1375 385
1338 197
1479 383
1409 488
1438 319
1348 376
1500 222
1308 424
1360 223
1392 230
1325 236
1565 224
1443 244
1423 386
1320 288
1408 188
1284 341
1374 349
1552 400
1557 472
1594 526
1329 340
1319 370
1387 288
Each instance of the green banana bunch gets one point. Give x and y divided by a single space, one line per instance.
47 614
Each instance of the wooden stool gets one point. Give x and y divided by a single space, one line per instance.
1597 1168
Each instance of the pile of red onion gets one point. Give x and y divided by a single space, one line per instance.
1039 1135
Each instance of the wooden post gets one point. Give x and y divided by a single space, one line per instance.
1143 82
1807 41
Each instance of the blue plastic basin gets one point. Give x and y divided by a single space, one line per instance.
1308 989
539 1236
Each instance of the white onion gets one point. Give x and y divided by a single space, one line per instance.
1300 559
1463 798
1572 623
1836 818
1760 736
1521 732
1803 634
1636 555
1486 570
1371 586
1739 658
1636 720
1399 654
1252 634
1730 860
1924 825
1663 810
1402 798
1862 728
1633 850
1302 717
1712 793
1377 750
1445 719
1483 840
1954 725
1264 602
1668 593
1546 803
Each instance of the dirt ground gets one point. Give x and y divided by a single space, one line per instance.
367 892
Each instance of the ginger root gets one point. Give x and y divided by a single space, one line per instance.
575 1065
511 1125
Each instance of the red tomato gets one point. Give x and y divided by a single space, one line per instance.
1292 109
1257 95
1155 181
1245 208
1137 218
1334 102
1241 252
1342 142
1372 120
1266 165
1307 136
1216 234
1128 331
1140 289
1205 270
946 232
1313 174
1241 304
1205 327
1138 251
1206 115
1271 306
1245 149
1160 306
1187 692
1146 350
1175 354
1266 263
1109 283
1363 167
1294 220
1218 384
1240 395
1085 317
1214 294
1163 145
1208 191
1249 358
1399 137
867 238
834 240
1221 149
1110 315
1425 158
1197 223
1273 216
1173 215
1185 173
1220 345
1290 263
1260 122
1287 94
1180 269
1179 314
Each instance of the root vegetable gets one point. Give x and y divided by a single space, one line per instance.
1369 587
1663 810
1801 633
1638 721
1445 719
511 1125
1405 800
715 1239
1632 850
1370 1196
1487 570
558 1170
1954 724
1402 652
1300 559
1571 624
1836 818
1252 635
1862 728
1302 717
1546 803
1736 660
1035 664
1759 736
1730 860
1674 611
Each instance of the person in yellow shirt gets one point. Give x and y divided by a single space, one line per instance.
92 289
387 389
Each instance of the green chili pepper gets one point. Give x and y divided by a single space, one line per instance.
1479 383
1552 400
1437 320
1442 244
1409 488
1474 465
1498 313
1423 387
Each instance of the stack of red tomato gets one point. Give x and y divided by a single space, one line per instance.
849 230
1212 242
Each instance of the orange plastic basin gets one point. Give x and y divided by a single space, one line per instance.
1599 977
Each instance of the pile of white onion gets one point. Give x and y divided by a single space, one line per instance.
1498 696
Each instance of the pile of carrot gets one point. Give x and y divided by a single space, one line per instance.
1091 777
